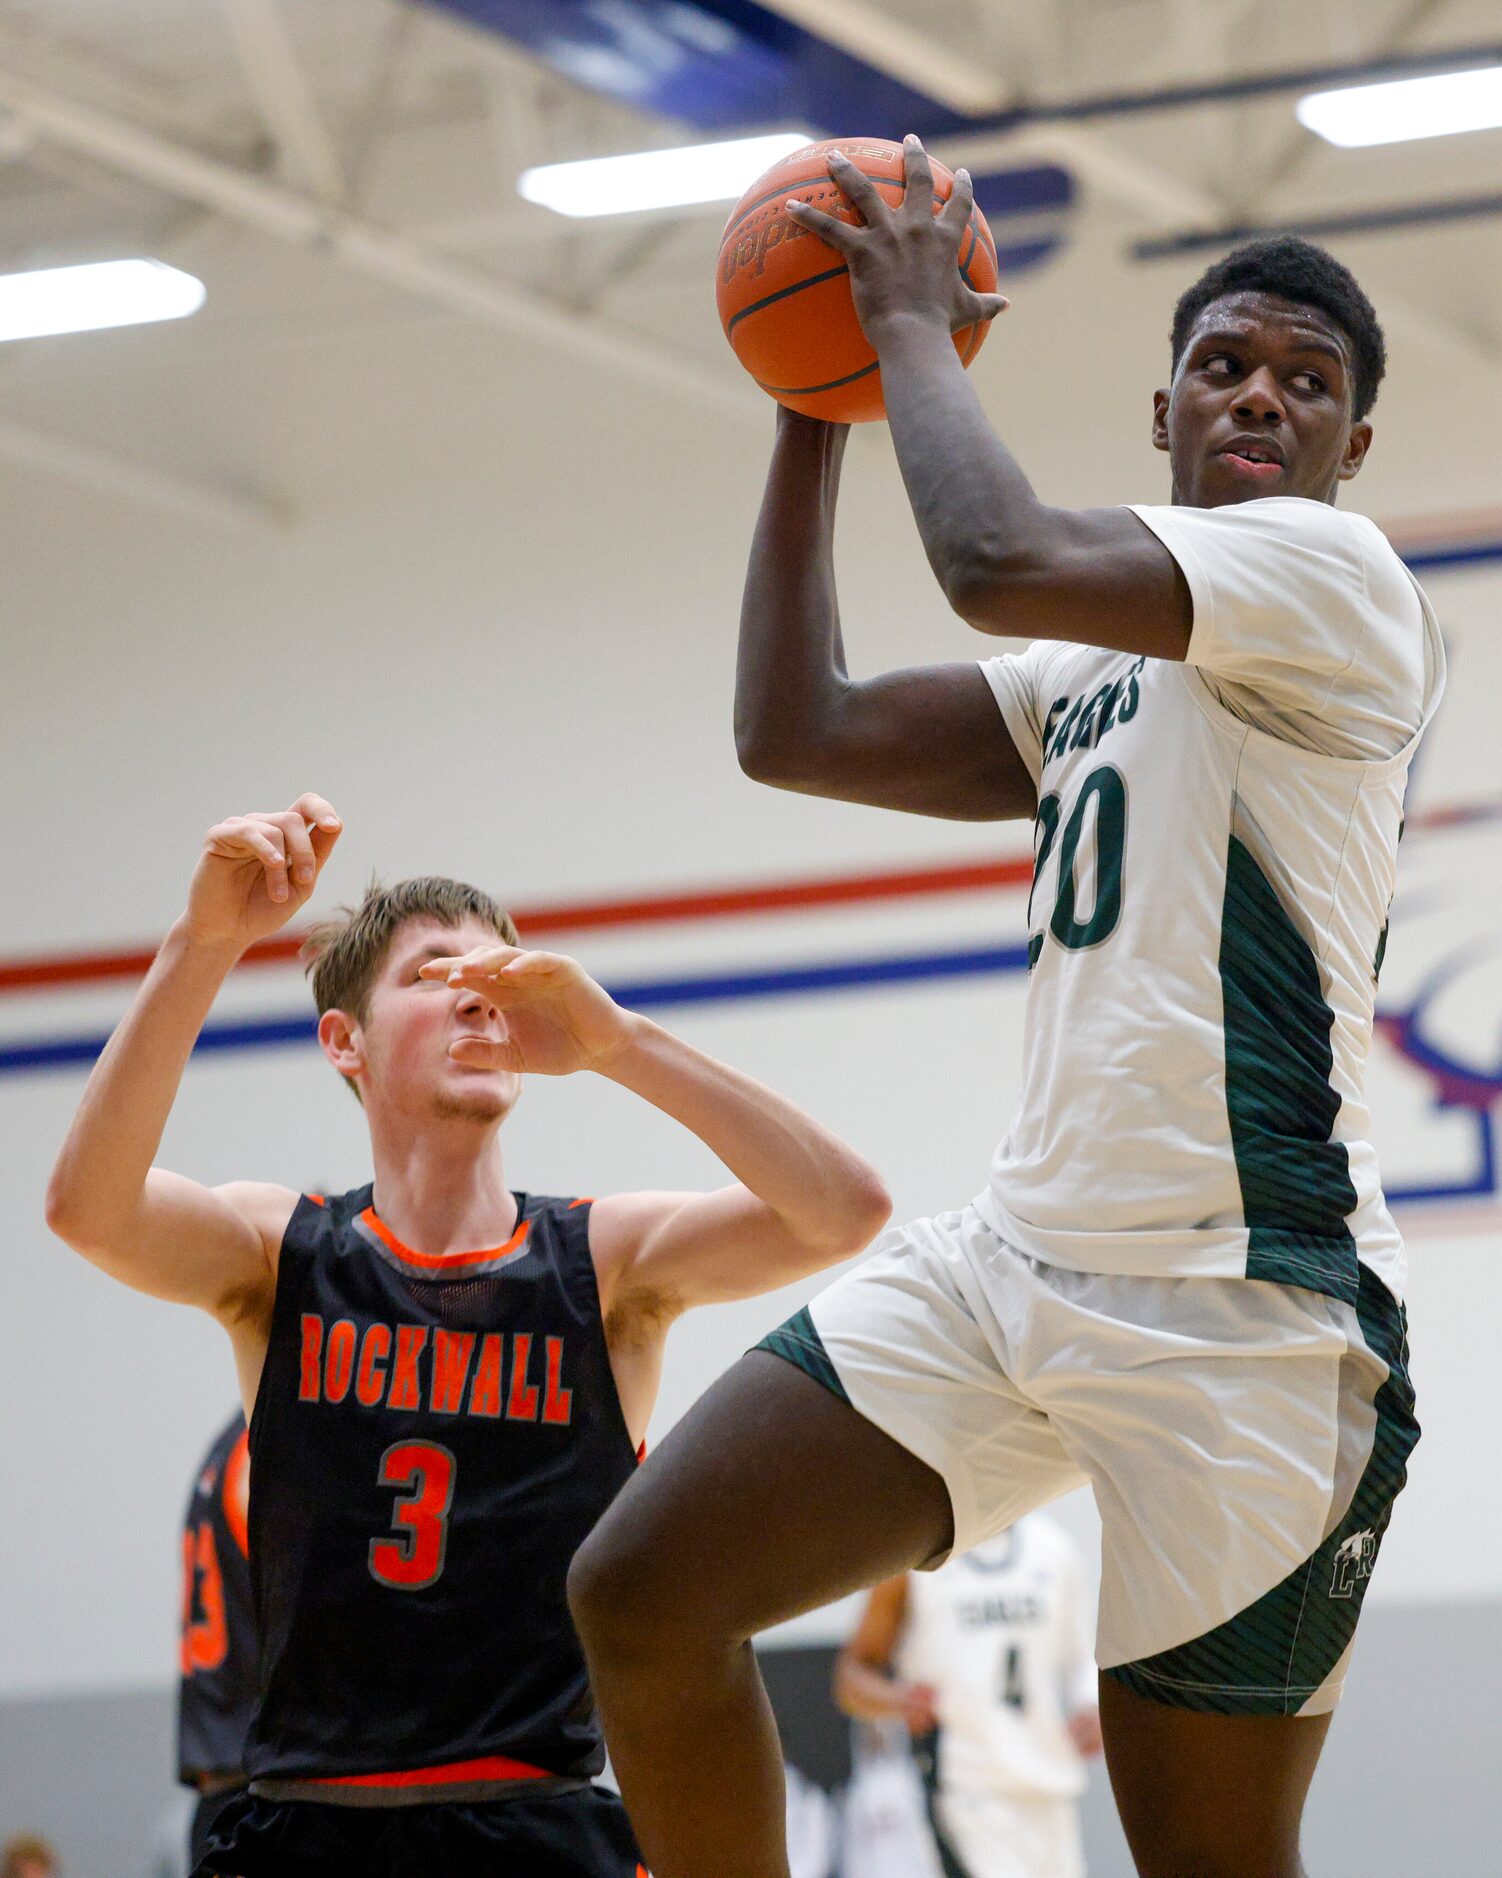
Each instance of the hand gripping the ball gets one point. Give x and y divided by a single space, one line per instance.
904 261
556 1019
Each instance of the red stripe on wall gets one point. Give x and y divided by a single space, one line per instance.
542 922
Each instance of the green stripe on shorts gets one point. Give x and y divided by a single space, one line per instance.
799 1343
1272 1657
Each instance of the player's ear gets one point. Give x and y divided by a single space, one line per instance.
1160 419
342 1044
1357 445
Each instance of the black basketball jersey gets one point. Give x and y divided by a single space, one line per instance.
433 1438
217 1695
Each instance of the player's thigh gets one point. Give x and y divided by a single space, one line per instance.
868 1435
1208 1796
770 1497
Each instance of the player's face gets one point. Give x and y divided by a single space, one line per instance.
1260 405
413 1023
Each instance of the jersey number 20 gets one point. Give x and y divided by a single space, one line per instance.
1106 789
424 1473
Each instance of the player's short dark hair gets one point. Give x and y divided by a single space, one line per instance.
1297 270
344 953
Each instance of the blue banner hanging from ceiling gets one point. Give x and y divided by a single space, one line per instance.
720 65
724 66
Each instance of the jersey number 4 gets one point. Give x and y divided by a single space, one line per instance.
423 1472
1105 788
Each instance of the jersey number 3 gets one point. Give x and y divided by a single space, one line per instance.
423 1472
1106 789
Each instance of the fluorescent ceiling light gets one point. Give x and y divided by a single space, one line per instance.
658 179
89 298
1406 109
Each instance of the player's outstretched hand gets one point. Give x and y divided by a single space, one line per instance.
256 871
555 1019
905 262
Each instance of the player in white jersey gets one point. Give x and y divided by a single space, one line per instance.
988 1661
1181 1284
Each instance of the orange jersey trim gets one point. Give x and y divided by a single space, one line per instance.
317 1199
440 1261
493 1767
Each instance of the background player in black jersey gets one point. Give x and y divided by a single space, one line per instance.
217 1693
435 1427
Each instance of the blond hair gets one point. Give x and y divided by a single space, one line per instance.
343 954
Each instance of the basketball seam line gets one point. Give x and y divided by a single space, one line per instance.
807 391
833 273
782 293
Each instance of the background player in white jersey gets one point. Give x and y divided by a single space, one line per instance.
988 1662
1181 1283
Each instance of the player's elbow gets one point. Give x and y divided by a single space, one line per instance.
64 1211
989 588
864 1208
76 1218
767 754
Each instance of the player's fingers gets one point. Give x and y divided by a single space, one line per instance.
829 228
324 822
437 968
302 863
315 809
485 1053
955 213
857 188
538 965
989 306
254 837
918 197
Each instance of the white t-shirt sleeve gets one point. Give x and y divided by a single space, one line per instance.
1017 683
1305 621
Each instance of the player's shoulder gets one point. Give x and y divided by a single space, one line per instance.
263 1206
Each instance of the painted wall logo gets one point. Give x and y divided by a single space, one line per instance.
1437 1085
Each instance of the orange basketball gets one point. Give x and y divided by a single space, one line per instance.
784 295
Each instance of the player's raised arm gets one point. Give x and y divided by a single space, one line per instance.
928 740
1007 562
803 1199
154 1230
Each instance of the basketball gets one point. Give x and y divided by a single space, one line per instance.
784 296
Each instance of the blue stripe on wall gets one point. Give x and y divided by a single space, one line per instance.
652 994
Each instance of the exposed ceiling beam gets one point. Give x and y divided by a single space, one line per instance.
283 96
1159 195
138 482
400 262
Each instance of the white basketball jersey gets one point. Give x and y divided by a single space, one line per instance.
1215 855
1002 1634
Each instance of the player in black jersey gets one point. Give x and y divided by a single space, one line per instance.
216 1697
448 1380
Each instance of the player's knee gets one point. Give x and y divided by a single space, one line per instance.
619 1604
